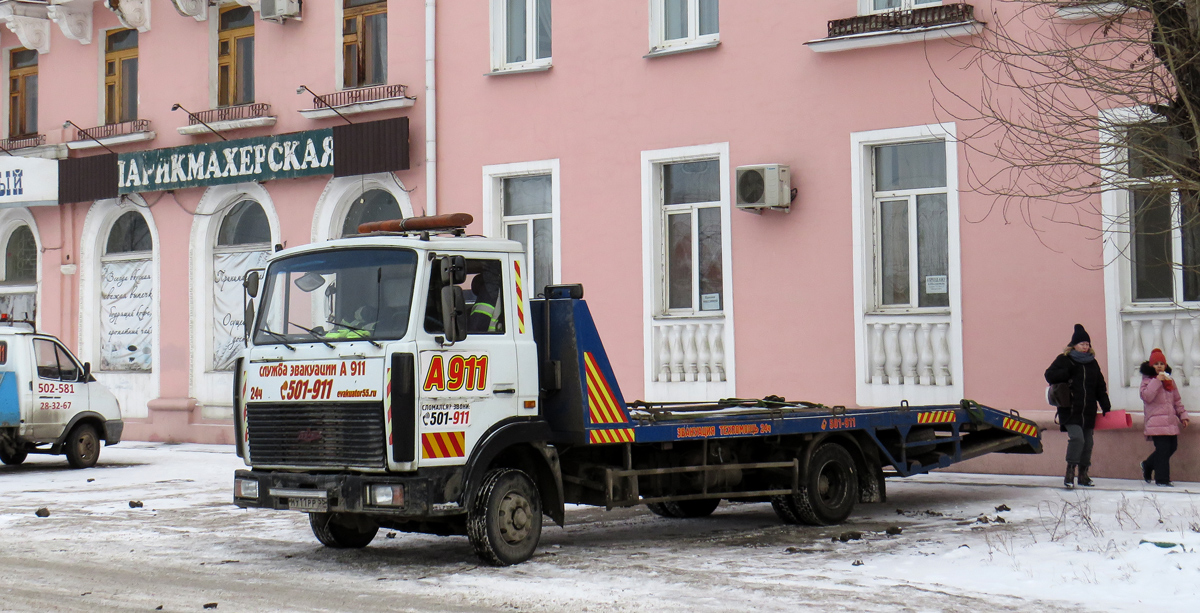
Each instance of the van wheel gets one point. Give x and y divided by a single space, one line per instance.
504 523
83 446
334 530
829 489
14 458
689 509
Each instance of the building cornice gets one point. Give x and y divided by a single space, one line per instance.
29 22
74 18
132 13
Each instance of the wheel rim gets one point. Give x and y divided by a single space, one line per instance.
516 517
831 483
86 446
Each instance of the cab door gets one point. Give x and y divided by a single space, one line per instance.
58 394
466 387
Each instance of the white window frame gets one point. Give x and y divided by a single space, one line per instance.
500 63
654 272
494 220
692 209
910 196
862 145
659 45
11 220
867 7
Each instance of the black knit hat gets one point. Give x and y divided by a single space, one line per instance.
1080 336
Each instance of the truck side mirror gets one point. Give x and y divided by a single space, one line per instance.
453 269
454 313
85 375
247 321
251 283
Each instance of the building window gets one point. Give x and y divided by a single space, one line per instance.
121 76
691 222
521 34
910 212
883 6
683 23
235 57
528 218
364 42
127 296
243 244
18 292
373 205
23 93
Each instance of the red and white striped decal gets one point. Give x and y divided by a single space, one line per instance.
615 435
520 299
438 445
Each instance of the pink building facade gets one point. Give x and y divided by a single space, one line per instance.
608 139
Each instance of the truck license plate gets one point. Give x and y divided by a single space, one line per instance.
312 505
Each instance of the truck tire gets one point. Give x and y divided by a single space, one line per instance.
785 508
829 489
14 458
332 532
83 446
660 509
505 522
690 509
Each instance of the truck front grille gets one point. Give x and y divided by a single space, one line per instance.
316 435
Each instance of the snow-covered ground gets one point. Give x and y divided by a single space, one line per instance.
1121 546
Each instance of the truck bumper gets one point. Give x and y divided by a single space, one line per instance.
113 429
344 493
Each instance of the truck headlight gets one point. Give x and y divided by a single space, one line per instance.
245 488
387 495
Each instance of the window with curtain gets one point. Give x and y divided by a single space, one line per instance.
912 265
522 32
235 56
1164 223
364 43
372 205
127 296
121 76
18 292
528 218
681 23
243 244
692 228
23 93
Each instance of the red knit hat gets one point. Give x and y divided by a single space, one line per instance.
1157 356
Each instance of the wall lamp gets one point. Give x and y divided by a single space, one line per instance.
177 106
304 88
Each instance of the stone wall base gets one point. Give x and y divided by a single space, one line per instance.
178 420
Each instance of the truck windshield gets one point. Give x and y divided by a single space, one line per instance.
337 296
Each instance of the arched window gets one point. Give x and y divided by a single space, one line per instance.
127 296
18 294
373 205
243 244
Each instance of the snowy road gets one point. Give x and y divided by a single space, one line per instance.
188 546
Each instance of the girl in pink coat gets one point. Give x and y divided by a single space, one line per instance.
1165 417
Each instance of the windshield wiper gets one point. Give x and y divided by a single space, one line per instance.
350 327
313 333
278 336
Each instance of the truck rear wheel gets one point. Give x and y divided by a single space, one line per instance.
83 446
14 458
505 522
334 531
689 509
829 489
659 509
785 508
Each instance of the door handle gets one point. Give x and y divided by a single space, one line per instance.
504 391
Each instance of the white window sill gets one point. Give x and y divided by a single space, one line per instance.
359 107
895 37
1093 11
682 48
227 126
520 69
712 315
109 141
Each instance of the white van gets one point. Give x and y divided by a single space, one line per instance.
49 401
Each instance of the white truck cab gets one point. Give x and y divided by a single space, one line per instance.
49 401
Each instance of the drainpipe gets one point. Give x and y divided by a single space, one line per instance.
430 108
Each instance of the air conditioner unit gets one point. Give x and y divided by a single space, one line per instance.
764 186
279 10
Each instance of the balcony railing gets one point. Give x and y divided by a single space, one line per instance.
941 15
21 142
360 95
231 113
113 129
689 350
909 350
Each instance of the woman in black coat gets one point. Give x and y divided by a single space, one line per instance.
1078 367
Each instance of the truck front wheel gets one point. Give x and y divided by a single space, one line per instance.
334 530
83 446
505 522
14 458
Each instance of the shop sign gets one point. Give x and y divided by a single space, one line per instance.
28 181
264 158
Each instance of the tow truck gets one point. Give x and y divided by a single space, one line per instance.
405 378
